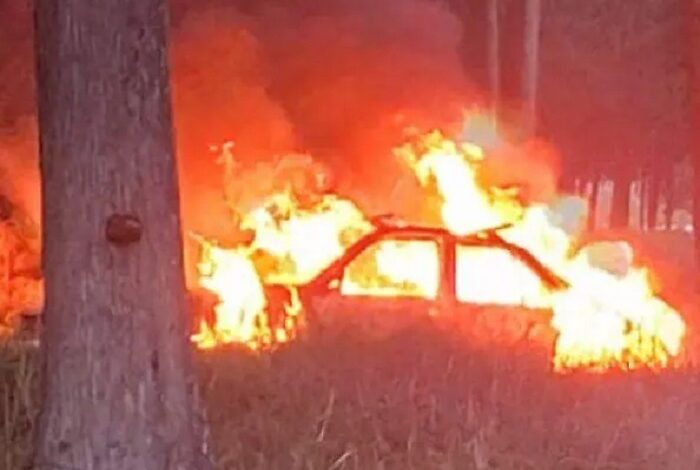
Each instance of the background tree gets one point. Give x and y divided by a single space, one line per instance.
501 56
611 114
494 56
532 18
692 10
117 378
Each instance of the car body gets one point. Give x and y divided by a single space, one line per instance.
489 314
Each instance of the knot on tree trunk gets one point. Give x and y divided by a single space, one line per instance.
123 229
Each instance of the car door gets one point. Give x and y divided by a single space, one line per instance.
393 282
499 298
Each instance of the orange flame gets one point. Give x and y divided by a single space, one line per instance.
604 319
608 317
383 272
291 244
240 311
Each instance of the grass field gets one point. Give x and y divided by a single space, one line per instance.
423 399
420 400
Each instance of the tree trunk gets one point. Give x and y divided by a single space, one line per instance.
593 205
475 43
643 203
670 199
118 385
494 59
531 65
651 207
693 58
511 64
518 49
620 211
637 201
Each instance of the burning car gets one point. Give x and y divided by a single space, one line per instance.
322 264
450 276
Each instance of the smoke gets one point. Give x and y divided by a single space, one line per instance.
19 173
340 80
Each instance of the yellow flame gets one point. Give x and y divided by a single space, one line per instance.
381 270
305 240
608 317
291 245
233 277
602 320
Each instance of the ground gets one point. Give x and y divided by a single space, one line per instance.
426 401
422 399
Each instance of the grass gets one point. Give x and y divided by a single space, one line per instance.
419 400
18 405
424 400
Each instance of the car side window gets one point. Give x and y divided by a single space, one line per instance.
394 268
493 275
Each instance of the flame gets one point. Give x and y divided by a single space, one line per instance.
381 270
240 312
303 240
292 243
608 316
608 319
466 207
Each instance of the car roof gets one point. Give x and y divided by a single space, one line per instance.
385 226
487 238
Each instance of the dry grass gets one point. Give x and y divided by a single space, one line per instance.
423 399
18 405
418 400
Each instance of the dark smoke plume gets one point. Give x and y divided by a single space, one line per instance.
339 80
336 79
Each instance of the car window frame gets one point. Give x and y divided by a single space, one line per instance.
397 236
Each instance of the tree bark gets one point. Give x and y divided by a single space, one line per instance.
593 205
511 28
494 59
642 208
531 65
670 199
518 48
620 213
118 390
651 206
475 43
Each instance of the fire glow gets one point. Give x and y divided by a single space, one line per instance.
609 316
